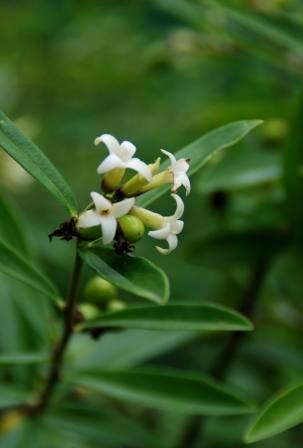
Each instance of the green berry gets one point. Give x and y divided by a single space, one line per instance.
89 233
99 291
131 227
116 305
88 310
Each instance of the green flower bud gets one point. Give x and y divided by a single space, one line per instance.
99 291
131 227
112 179
133 186
88 310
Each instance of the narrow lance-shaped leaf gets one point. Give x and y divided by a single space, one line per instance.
128 348
32 159
189 317
11 229
167 390
14 265
241 170
134 274
22 358
200 151
281 413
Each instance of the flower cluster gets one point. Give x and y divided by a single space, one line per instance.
114 215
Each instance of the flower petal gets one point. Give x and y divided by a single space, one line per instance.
179 208
177 226
121 208
126 151
110 142
110 163
101 203
186 183
109 227
88 219
181 166
172 244
140 167
160 234
171 157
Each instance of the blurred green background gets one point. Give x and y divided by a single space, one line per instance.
162 73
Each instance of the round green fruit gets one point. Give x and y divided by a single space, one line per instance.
88 310
99 291
131 227
116 305
89 233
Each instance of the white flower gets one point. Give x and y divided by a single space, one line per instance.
121 156
179 169
105 214
172 226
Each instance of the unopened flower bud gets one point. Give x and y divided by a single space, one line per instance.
99 291
131 227
134 185
111 180
150 219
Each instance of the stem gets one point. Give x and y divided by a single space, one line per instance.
34 410
58 355
223 361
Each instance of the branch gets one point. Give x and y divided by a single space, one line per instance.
228 352
33 410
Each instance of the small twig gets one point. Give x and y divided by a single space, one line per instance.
53 377
227 354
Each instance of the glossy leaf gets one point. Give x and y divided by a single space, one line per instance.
22 358
202 149
281 413
205 317
240 170
32 159
167 390
14 265
133 274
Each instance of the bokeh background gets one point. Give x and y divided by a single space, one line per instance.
161 73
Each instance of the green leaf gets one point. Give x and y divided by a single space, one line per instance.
32 159
293 178
241 170
11 394
235 247
133 274
127 348
264 28
97 426
167 390
201 150
190 317
281 413
11 229
18 267
22 358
